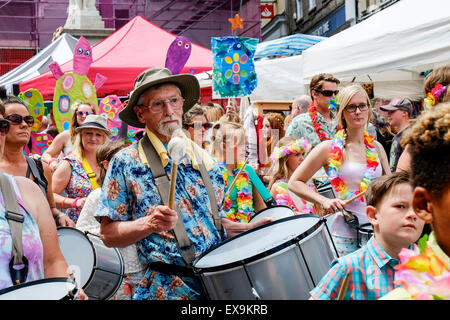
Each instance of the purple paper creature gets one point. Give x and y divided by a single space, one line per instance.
178 54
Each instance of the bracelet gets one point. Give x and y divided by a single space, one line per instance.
74 204
52 159
62 203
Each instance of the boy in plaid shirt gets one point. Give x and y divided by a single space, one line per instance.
371 268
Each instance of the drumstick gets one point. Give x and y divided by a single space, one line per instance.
176 149
237 175
347 202
344 287
354 197
320 177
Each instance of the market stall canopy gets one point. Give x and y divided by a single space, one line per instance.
286 46
60 50
394 47
122 56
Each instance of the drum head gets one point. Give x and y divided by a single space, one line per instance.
247 246
45 289
78 251
277 212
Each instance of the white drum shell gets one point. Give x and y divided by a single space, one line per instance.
45 289
102 275
289 273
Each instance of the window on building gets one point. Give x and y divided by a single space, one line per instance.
299 10
312 4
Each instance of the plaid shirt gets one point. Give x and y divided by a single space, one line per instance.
371 275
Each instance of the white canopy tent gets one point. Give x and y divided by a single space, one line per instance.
60 50
393 48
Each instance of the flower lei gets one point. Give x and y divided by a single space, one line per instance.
283 198
422 273
244 197
432 96
312 111
299 145
337 147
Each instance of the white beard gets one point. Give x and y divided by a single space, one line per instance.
168 129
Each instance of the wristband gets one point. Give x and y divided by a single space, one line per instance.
58 217
62 203
52 159
74 204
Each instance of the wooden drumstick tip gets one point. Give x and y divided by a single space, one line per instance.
344 287
237 175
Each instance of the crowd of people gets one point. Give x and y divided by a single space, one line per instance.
332 155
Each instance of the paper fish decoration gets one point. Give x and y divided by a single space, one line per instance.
72 86
35 103
233 68
178 54
109 107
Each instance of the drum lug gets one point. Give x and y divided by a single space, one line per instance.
255 294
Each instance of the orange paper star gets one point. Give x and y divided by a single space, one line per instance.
236 22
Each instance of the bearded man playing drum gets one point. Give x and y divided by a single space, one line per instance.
132 207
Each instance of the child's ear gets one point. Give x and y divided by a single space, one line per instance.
422 204
372 215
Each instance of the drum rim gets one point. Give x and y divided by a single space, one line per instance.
261 254
34 282
361 227
122 273
93 249
268 208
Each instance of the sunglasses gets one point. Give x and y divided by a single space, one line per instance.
327 93
17 119
206 125
4 127
83 113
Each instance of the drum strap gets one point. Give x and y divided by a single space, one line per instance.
185 246
212 197
15 220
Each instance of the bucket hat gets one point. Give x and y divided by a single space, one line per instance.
95 122
188 84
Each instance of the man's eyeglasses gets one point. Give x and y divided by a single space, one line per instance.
17 119
83 113
206 125
157 106
327 93
352 108
4 127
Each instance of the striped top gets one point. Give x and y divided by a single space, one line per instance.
371 275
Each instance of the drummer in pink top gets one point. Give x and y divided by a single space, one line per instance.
39 236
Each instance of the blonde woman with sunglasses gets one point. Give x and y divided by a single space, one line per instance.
64 140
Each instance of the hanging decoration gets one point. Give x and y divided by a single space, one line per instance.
72 86
234 72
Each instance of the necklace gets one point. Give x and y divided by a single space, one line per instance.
244 198
312 111
337 148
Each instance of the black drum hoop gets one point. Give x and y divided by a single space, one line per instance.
35 282
268 208
258 256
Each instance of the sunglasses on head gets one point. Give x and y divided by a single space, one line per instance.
83 113
17 119
4 127
327 93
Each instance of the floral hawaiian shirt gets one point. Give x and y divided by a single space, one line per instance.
129 192
301 126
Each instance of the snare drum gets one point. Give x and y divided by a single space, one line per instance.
98 269
364 233
277 212
45 289
283 259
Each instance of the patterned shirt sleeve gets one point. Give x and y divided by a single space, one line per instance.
114 199
330 284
